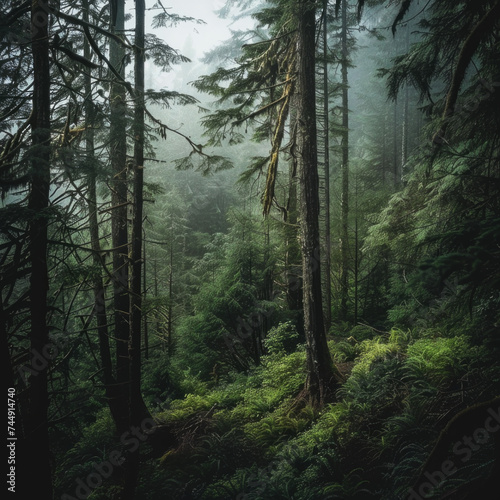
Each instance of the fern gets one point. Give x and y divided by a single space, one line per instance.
441 360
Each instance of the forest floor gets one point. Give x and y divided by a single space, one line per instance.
239 439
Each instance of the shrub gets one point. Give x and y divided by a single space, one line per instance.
282 339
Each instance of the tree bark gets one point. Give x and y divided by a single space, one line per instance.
137 408
144 289
321 375
292 255
344 203
293 260
327 259
170 322
119 201
36 435
406 110
109 382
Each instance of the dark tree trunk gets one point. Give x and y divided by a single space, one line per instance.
293 263
395 138
321 376
344 208
136 247
118 411
356 257
119 203
144 288
170 322
37 453
137 409
406 110
326 132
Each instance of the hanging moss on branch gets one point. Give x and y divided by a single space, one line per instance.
279 130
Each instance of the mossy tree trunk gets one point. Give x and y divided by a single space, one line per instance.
322 376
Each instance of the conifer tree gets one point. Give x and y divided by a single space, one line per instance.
344 210
136 407
455 168
100 306
285 61
322 377
37 451
119 202
55 249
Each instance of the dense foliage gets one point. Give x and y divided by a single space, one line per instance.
165 352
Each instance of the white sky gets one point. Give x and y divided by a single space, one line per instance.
191 39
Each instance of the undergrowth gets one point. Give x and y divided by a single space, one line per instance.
241 438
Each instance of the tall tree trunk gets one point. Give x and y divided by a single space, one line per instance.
293 262
268 276
395 137
292 255
144 288
344 209
395 160
384 147
326 131
170 321
158 327
36 435
137 408
115 404
406 117
321 375
119 231
356 255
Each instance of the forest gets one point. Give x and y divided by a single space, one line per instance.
274 276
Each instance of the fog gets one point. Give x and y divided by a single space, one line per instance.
192 38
